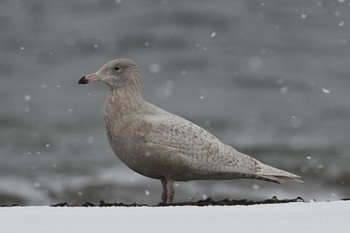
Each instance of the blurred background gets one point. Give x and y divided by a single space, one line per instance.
270 78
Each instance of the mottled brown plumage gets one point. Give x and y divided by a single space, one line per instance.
164 146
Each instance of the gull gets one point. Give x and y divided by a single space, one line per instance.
164 146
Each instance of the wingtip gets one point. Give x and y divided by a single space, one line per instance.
82 80
298 180
278 175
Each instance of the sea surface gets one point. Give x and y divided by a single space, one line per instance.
270 78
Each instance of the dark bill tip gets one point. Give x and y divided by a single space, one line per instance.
83 80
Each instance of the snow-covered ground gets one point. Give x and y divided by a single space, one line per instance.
312 217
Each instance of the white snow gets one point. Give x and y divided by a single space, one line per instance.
312 217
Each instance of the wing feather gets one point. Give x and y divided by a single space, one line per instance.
204 152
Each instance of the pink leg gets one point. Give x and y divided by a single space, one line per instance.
165 191
170 192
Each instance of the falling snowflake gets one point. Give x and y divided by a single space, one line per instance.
27 97
155 68
284 90
326 90
90 139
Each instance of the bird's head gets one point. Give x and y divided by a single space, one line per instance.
116 74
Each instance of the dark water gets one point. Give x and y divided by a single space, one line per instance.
269 78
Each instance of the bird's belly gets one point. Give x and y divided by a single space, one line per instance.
151 165
138 162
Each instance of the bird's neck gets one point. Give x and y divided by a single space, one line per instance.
123 101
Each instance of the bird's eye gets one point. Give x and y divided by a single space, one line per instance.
117 68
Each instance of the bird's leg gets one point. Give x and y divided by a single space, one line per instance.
165 191
170 192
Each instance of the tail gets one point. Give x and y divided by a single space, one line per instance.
275 175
